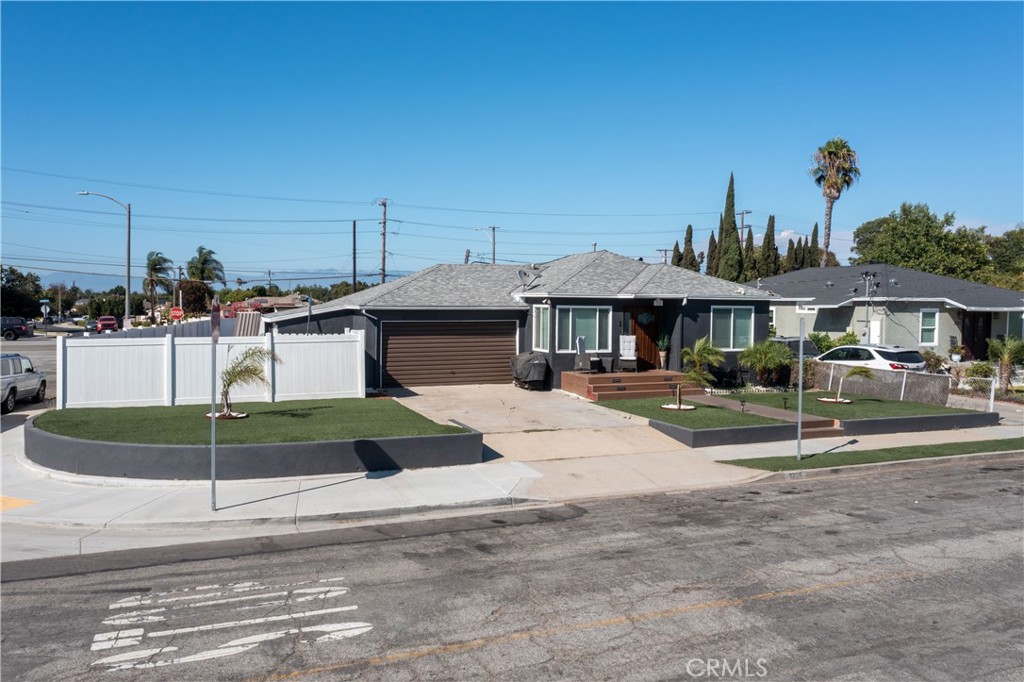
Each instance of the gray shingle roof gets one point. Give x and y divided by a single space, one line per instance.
599 274
913 285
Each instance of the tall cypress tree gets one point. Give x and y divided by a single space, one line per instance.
677 255
749 259
790 261
712 255
730 252
800 259
768 259
689 258
813 251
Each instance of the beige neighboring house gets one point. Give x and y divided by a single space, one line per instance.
897 306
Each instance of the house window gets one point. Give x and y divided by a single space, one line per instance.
929 322
592 322
732 328
1015 324
541 328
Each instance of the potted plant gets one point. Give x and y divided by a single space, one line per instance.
664 343
956 352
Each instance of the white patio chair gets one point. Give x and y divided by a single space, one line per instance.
627 353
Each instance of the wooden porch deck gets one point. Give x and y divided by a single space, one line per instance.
616 385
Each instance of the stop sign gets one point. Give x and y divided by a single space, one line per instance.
177 313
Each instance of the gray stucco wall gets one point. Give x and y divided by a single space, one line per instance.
902 326
834 322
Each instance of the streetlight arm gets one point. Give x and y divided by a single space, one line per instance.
83 193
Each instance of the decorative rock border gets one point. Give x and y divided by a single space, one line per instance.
239 462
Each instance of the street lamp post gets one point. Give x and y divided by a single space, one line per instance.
127 258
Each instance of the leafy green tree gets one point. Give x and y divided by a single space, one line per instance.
768 259
766 359
730 252
205 267
814 254
916 238
712 255
749 259
159 270
834 170
20 293
195 296
695 360
689 258
789 263
677 255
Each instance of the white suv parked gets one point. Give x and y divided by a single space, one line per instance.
21 381
897 358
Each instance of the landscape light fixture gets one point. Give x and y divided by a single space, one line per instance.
127 257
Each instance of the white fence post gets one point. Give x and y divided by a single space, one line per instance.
992 396
903 387
271 369
169 362
62 373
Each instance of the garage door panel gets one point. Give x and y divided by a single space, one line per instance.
447 353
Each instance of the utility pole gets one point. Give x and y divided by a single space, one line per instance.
270 281
383 240
664 255
593 246
492 228
465 261
181 276
742 214
353 256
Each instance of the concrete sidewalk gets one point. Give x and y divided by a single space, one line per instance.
601 454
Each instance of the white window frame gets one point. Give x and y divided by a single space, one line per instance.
605 345
921 327
732 323
771 316
537 310
1019 332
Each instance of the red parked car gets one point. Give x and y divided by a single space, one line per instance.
106 323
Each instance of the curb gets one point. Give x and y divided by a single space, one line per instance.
474 506
826 472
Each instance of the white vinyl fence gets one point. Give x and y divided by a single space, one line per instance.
118 372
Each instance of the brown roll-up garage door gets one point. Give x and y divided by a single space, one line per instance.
443 353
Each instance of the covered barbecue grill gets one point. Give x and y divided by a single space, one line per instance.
530 370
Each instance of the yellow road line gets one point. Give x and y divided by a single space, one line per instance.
13 503
469 645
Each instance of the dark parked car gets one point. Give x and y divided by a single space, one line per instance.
106 323
20 380
15 328
793 343
90 325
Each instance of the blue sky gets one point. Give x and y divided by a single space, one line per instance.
562 124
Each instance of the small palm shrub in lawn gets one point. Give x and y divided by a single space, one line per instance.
285 422
704 417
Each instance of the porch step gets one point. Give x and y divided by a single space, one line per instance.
827 432
624 391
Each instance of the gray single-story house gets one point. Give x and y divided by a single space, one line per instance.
461 324
897 306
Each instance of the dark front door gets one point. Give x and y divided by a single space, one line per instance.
977 330
643 323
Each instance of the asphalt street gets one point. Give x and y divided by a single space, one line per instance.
908 574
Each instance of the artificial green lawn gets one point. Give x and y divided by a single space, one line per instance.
840 458
860 408
704 417
285 422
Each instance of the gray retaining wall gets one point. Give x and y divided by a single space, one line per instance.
237 462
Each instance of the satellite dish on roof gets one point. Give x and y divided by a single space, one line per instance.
526 278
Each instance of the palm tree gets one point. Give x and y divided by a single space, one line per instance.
702 353
1006 353
859 371
247 368
204 267
834 170
159 269
766 358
